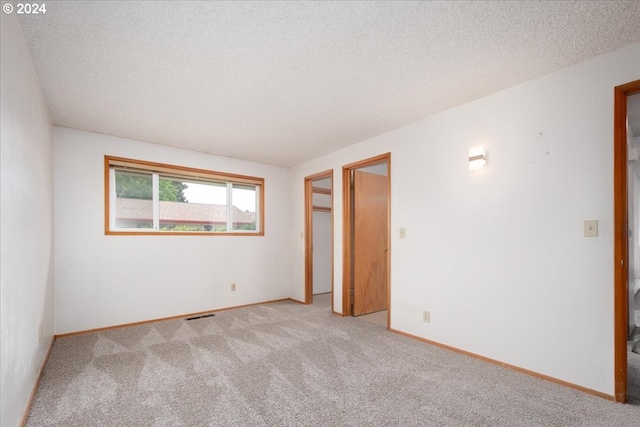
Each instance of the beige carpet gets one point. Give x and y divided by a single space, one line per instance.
286 364
377 318
633 378
633 358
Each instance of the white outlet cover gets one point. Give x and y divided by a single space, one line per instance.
590 228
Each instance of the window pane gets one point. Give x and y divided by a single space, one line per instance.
157 198
188 205
134 205
243 215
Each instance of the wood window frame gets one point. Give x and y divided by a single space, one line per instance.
179 172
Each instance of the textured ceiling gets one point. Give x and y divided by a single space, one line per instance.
284 82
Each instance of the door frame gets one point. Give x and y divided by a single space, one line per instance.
620 229
347 240
308 234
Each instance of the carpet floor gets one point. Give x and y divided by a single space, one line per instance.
288 364
379 318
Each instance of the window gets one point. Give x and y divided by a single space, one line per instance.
154 198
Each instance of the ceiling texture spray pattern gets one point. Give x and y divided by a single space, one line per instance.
285 82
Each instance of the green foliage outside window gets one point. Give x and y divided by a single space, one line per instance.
138 186
246 226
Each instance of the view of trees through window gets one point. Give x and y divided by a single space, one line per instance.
131 185
184 204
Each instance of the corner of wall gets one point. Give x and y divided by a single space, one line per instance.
26 193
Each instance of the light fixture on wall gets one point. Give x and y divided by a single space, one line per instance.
477 158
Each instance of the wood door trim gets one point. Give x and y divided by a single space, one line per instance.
346 229
620 245
382 158
346 240
309 189
321 209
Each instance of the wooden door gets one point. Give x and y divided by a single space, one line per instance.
370 242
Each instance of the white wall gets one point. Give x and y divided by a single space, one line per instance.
632 213
321 235
636 230
636 233
26 211
109 280
321 252
631 270
497 255
634 223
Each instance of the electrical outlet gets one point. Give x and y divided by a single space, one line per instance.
233 287
40 333
426 316
590 228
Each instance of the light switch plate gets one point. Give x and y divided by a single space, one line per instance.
591 228
403 232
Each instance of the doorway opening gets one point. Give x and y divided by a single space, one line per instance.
633 202
622 222
318 202
366 221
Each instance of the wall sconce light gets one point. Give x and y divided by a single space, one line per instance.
477 158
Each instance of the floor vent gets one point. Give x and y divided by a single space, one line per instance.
200 317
